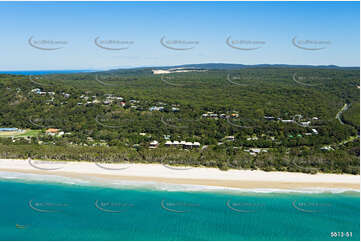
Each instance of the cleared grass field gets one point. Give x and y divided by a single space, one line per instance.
24 133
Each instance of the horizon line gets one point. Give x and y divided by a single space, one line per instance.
162 66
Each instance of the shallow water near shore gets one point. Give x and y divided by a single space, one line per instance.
40 210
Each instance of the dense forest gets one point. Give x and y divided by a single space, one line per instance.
269 118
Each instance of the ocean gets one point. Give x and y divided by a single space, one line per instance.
34 207
44 72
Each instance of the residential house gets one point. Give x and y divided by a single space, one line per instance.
52 131
327 148
269 118
184 144
223 115
229 138
155 108
252 138
255 151
154 144
305 124
196 145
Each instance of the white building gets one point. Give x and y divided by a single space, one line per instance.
286 121
229 138
306 124
154 144
184 144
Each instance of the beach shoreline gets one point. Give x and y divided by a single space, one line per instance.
238 179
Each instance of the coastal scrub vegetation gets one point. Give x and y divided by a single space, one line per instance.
274 119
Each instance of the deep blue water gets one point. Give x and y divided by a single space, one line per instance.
33 210
46 72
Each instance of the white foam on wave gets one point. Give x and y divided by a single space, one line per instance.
160 186
204 188
40 178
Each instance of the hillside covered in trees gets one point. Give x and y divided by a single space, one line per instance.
269 118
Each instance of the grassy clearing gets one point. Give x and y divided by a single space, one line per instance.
25 133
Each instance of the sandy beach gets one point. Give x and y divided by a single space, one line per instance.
188 176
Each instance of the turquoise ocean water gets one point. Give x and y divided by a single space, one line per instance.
38 210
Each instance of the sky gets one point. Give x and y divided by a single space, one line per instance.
108 35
